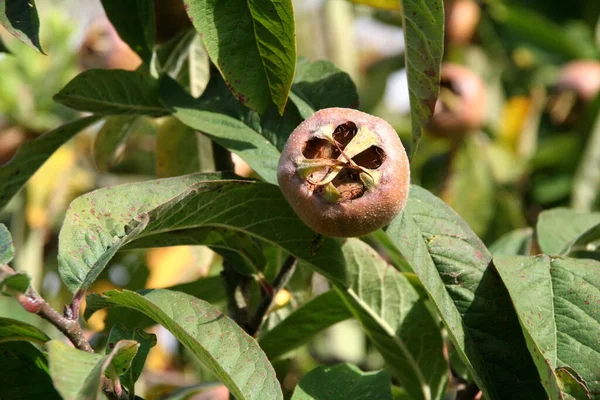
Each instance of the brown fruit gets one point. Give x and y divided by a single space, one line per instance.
11 138
578 84
170 18
462 18
345 173
581 76
103 48
461 106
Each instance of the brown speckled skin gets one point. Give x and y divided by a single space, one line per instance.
472 111
581 76
376 208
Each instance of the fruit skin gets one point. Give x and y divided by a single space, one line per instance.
103 48
462 18
583 77
375 208
470 111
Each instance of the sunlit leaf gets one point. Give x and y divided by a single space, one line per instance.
20 18
343 382
423 22
559 228
78 375
112 92
13 330
454 267
98 224
110 140
396 320
7 250
218 342
515 243
146 342
558 303
253 46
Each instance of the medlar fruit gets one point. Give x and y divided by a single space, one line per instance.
461 106
462 18
103 48
577 85
345 173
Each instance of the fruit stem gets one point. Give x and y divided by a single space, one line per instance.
283 277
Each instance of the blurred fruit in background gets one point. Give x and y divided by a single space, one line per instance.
578 84
103 48
461 107
462 18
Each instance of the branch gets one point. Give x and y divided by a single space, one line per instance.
34 303
236 289
286 272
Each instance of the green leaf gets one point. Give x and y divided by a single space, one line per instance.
586 184
146 342
470 188
187 393
515 243
558 303
7 250
252 44
110 140
176 149
198 67
343 382
77 374
303 324
20 18
209 289
3 48
396 320
13 283
98 224
218 342
112 92
571 385
559 228
322 85
454 267
32 155
134 21
227 131
13 330
423 22
24 373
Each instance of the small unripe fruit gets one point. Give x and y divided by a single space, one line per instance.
577 85
462 18
461 106
344 172
103 48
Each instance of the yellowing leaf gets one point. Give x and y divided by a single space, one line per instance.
169 266
386 4
514 117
